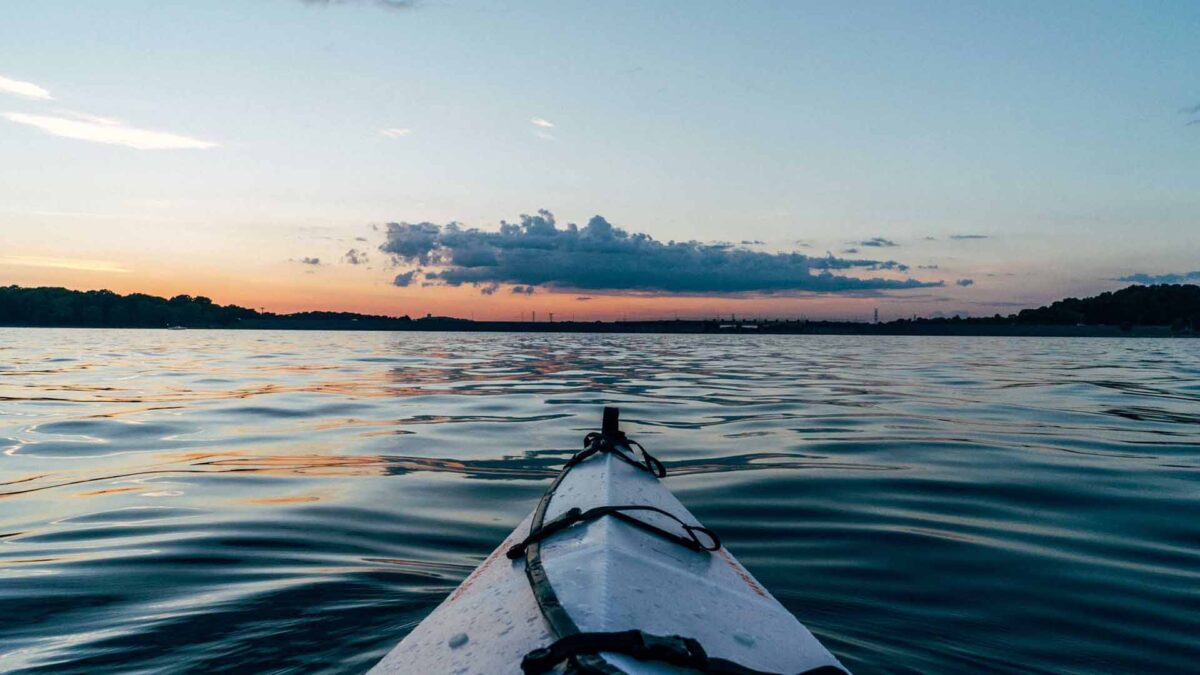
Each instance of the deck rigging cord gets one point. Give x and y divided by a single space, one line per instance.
580 651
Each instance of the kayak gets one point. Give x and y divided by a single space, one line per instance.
610 574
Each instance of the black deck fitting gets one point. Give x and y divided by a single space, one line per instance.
611 421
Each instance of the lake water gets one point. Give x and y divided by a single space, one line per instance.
296 502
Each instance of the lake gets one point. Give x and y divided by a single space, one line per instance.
251 501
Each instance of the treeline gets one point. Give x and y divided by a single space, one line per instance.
47 306
1176 306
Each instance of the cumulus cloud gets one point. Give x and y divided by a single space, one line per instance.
112 132
23 89
600 257
965 282
490 289
968 236
1171 278
355 257
404 278
522 290
395 132
310 261
877 242
543 123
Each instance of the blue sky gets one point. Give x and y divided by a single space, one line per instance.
1056 130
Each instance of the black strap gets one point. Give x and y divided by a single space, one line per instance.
710 542
673 649
612 442
581 650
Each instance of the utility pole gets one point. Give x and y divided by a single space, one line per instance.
876 315
551 317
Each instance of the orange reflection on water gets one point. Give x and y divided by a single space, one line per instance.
110 491
288 499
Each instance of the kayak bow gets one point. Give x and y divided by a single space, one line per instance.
610 574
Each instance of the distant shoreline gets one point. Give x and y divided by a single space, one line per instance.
1136 311
681 327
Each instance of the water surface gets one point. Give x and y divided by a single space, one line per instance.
296 502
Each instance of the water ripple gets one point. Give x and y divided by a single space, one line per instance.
296 502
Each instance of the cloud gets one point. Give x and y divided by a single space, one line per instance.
395 132
404 279
490 289
535 252
355 257
543 125
101 130
23 89
927 267
63 263
414 242
968 236
965 282
850 250
522 290
310 261
1191 111
1171 278
387 4
583 298
95 119
877 242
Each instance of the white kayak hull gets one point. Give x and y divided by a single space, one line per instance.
609 576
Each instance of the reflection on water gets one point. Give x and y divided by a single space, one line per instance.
296 502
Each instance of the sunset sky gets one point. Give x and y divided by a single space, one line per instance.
770 159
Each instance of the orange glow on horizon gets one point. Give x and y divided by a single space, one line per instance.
338 290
